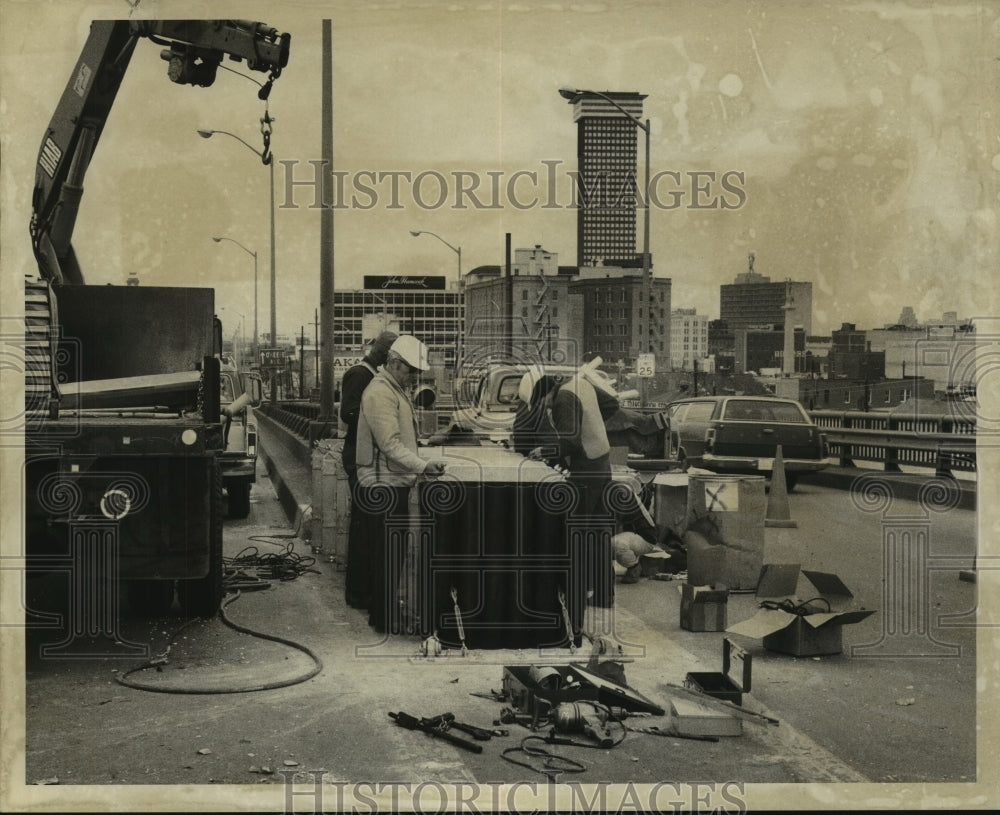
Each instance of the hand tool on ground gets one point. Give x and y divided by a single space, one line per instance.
436 730
567 622
493 695
478 733
669 732
584 717
458 620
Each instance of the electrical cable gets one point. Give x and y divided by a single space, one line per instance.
238 578
801 609
552 765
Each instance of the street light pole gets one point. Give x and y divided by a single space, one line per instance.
458 251
267 157
253 254
572 94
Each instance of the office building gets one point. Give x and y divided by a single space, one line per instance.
418 305
607 186
752 301
688 338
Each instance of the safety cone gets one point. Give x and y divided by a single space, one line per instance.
778 514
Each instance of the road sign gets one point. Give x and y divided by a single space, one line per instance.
272 358
645 365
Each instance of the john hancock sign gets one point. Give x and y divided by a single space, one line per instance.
419 282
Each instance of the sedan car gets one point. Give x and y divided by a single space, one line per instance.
740 434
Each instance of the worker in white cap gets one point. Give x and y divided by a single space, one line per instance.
388 466
356 379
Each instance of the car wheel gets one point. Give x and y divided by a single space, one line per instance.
791 479
238 506
150 598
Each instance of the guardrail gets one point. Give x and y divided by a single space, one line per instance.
943 442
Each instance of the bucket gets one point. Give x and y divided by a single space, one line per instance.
728 511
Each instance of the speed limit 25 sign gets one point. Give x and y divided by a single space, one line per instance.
645 365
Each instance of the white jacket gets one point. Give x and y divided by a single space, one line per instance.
387 435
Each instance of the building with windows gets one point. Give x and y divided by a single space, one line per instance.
753 301
418 305
606 186
563 311
688 338
543 315
613 311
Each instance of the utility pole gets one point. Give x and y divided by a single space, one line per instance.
696 377
326 266
302 363
509 298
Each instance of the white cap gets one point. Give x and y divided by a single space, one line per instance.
412 351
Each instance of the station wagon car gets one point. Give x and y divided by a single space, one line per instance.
740 434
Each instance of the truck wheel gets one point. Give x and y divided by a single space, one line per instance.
202 596
239 499
150 598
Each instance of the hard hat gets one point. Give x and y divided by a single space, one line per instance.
528 382
412 351
526 386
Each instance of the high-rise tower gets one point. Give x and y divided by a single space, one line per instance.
607 186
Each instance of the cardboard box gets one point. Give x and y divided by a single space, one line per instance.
789 625
670 496
703 608
732 683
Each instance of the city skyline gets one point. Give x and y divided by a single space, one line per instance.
866 168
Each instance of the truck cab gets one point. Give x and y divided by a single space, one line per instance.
239 393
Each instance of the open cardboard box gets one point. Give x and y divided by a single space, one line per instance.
819 632
703 608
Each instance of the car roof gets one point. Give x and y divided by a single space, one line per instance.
733 397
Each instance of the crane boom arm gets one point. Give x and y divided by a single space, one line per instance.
193 50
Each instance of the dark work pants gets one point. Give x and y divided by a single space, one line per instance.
593 552
357 588
383 522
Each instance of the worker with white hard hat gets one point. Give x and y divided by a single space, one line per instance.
388 466
356 379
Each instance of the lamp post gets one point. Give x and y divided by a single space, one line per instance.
458 251
254 256
268 158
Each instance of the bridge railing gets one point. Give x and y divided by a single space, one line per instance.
942 442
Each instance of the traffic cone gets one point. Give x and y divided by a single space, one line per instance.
778 514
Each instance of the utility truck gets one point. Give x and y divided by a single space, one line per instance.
124 426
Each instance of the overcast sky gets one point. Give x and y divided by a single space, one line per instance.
865 133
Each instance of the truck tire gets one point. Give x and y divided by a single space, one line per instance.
150 598
239 499
202 596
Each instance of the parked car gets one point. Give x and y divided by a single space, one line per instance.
487 400
740 434
487 404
